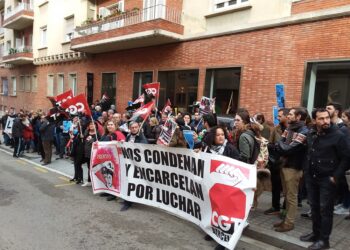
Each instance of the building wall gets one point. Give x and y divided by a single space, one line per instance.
203 22
313 5
267 57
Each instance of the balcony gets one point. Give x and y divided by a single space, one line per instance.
18 56
20 17
139 28
1 31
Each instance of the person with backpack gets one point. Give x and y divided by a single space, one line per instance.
253 149
292 149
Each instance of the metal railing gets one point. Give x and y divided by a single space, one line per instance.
22 49
19 8
159 11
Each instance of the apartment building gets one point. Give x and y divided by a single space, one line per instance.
228 49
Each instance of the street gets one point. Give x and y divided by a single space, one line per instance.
42 210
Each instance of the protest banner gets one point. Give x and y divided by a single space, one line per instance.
105 170
167 107
77 104
206 105
280 95
167 132
212 191
143 112
8 126
64 97
152 89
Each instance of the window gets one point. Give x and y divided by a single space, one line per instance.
154 9
43 37
4 87
109 83
60 84
69 32
21 83
73 83
14 85
27 83
180 87
224 85
50 89
227 4
329 82
34 83
140 78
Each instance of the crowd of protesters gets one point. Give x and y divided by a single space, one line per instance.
307 155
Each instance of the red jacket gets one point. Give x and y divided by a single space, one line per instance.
28 133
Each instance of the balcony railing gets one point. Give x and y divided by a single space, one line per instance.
23 49
1 30
133 17
20 7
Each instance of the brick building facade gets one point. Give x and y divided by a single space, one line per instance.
259 57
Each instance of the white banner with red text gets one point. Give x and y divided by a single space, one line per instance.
214 192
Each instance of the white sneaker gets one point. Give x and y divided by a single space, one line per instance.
338 206
86 184
342 211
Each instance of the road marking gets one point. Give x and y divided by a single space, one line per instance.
63 185
21 162
64 178
42 170
36 164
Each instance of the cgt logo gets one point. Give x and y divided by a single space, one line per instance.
63 100
221 221
74 109
152 91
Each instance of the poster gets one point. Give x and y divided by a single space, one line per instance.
280 95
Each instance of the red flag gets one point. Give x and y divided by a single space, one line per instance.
77 104
140 99
167 108
143 112
152 88
64 97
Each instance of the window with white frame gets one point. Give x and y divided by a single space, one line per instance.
50 90
220 5
21 83
73 83
14 85
43 37
69 29
34 83
27 84
60 83
4 87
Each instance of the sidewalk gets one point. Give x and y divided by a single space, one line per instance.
260 225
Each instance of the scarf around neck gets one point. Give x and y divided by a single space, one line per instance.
218 149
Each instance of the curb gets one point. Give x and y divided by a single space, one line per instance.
281 241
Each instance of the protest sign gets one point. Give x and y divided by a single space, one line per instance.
280 95
8 126
212 191
206 105
167 132
188 134
77 104
105 170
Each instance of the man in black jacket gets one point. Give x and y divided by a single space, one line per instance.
326 162
292 148
135 136
17 134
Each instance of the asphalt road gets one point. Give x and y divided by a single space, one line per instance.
42 210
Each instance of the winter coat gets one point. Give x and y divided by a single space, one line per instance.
140 138
292 145
17 128
47 130
327 153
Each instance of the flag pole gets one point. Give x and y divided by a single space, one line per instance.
229 104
